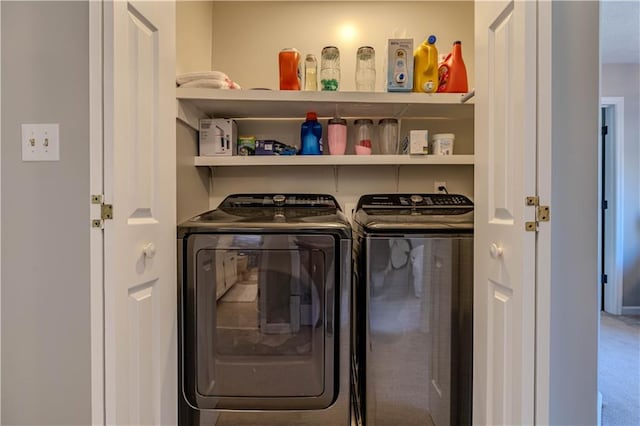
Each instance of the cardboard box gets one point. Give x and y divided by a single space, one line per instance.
400 65
273 147
246 145
418 142
218 136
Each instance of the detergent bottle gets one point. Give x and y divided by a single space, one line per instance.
425 66
452 72
311 135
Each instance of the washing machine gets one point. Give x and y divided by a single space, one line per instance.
264 312
414 303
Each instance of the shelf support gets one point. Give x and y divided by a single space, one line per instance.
397 170
211 174
335 177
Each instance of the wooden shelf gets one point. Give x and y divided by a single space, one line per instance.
294 104
334 160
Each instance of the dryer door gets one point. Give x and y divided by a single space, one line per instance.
266 339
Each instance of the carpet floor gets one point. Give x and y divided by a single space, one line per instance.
619 369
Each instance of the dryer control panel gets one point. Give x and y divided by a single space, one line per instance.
280 200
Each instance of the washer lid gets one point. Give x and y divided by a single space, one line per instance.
271 211
415 212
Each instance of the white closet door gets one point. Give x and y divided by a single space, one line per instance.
505 174
140 241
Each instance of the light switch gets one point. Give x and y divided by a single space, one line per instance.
40 142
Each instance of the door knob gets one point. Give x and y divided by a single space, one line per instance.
495 251
149 250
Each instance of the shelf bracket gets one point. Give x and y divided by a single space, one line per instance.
335 177
211 186
397 173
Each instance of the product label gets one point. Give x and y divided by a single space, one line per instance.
443 77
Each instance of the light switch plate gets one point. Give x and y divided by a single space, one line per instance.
40 142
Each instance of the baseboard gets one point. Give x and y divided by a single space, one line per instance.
631 310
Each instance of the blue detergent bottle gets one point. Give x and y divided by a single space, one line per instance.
311 135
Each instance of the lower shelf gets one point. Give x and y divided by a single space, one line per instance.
333 160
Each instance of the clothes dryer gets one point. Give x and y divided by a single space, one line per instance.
264 312
414 303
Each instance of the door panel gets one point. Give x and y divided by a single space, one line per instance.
501 127
505 174
268 341
139 181
143 83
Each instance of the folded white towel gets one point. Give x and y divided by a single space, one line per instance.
209 75
211 84
207 83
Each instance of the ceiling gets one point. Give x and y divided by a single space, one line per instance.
620 31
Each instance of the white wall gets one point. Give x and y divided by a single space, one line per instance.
623 80
46 343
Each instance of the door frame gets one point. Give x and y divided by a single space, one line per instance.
614 249
0 213
96 239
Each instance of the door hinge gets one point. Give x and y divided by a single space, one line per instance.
542 213
605 204
605 130
106 211
604 279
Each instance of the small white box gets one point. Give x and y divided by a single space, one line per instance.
400 65
418 142
218 136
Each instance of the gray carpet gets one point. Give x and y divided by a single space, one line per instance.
619 369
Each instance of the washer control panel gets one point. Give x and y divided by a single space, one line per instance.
395 201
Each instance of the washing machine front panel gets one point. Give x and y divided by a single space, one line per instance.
262 316
414 302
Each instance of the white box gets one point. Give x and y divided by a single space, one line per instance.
218 136
418 142
400 65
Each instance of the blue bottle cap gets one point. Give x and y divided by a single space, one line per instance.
432 39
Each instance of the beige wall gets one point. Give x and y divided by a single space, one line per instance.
247 36
193 41
623 80
46 358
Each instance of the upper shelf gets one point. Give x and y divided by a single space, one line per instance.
333 160
294 104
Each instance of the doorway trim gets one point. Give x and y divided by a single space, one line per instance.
614 261
96 235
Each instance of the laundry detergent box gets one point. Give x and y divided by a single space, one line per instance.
400 65
418 142
218 136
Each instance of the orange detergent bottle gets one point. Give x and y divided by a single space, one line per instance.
452 72
425 66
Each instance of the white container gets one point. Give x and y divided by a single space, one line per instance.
442 144
218 137
400 65
418 142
